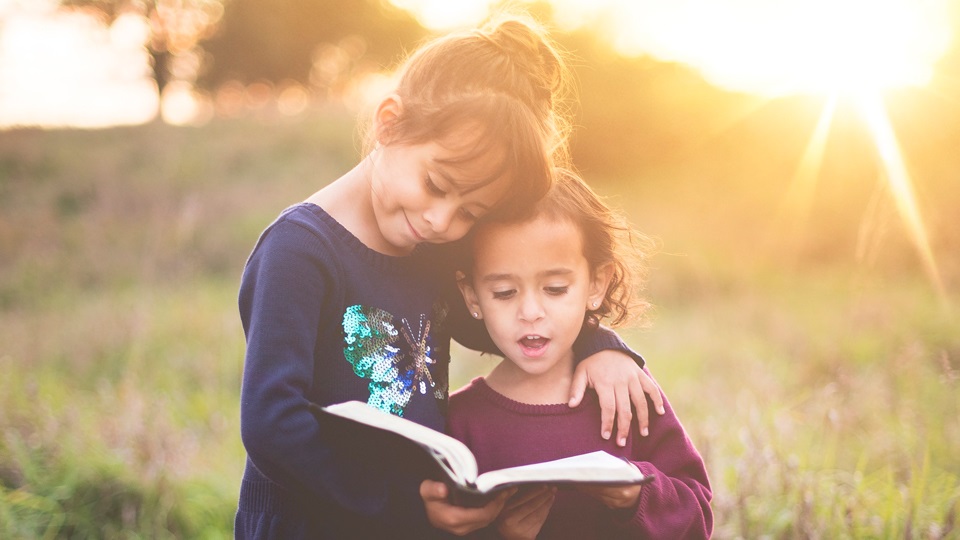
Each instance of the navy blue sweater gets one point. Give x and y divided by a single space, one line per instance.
329 320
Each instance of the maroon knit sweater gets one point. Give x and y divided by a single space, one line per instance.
505 433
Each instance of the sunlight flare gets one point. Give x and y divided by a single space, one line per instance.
446 14
67 69
875 115
799 197
779 47
763 47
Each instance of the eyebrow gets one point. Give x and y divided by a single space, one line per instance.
545 273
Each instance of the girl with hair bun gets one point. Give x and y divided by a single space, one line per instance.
350 294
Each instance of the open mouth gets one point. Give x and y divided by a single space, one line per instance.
533 345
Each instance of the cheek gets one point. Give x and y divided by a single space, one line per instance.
501 324
572 312
498 314
458 230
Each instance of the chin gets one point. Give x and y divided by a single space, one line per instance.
536 368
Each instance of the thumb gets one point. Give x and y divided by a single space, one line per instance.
577 387
432 490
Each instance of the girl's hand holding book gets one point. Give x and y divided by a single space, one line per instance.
524 514
458 519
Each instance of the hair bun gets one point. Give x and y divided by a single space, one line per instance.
526 43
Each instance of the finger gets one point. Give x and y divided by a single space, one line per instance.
640 403
577 387
432 490
524 496
620 497
539 507
624 414
465 520
608 409
531 505
496 505
651 388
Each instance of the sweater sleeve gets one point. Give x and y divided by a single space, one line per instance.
677 503
285 291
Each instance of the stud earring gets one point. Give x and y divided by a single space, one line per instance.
595 304
476 315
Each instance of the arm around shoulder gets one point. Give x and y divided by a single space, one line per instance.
593 339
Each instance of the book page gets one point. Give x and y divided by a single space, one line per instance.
599 467
452 454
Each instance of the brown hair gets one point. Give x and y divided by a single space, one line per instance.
509 80
607 238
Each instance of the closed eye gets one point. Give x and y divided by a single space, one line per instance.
504 295
468 215
432 187
556 291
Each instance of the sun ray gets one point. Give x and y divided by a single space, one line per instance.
874 114
799 197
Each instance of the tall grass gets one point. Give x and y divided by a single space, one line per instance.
823 393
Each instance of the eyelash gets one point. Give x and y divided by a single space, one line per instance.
435 190
552 291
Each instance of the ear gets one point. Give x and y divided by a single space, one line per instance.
469 295
599 283
386 114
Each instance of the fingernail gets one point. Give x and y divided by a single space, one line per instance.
622 441
661 410
606 435
644 432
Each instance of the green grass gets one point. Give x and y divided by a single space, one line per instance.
822 390
819 415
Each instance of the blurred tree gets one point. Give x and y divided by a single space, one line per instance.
635 110
176 28
275 40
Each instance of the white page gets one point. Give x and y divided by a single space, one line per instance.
596 466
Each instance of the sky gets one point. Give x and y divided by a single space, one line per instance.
61 69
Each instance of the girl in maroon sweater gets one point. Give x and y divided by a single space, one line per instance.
534 281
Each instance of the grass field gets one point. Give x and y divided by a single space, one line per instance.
822 388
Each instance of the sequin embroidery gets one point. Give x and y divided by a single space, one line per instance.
396 368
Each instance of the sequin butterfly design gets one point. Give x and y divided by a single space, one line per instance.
397 362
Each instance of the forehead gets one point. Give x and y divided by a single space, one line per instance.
539 243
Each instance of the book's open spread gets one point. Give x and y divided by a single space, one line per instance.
460 465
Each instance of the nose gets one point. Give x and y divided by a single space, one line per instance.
439 217
531 310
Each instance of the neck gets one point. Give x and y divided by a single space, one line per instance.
548 388
349 200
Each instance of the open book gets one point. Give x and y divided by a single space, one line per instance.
457 464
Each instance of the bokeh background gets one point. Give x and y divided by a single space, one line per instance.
796 160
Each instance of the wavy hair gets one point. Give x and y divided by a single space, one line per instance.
607 238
